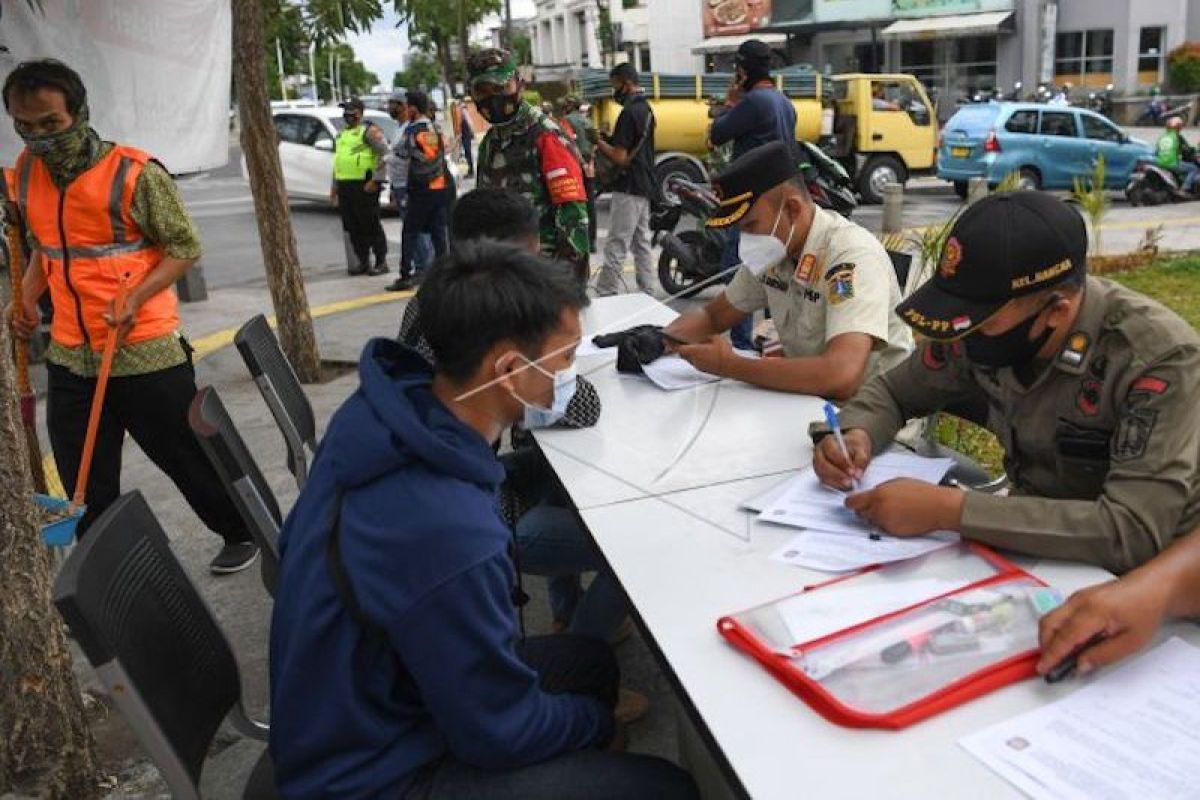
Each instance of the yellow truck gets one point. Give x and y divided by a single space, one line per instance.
881 128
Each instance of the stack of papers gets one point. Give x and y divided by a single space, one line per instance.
671 373
1132 733
835 538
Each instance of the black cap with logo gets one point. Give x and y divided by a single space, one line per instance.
749 178
1005 246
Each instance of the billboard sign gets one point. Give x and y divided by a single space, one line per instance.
734 17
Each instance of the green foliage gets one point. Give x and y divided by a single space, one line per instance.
433 24
522 48
294 26
1091 196
421 72
929 243
1183 67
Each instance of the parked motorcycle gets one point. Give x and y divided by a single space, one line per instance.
1152 185
691 258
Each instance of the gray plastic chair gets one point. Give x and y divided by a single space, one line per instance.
239 473
155 646
281 389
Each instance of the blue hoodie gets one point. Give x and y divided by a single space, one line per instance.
427 555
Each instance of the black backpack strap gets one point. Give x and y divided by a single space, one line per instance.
340 578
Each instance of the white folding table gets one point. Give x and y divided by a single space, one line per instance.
658 482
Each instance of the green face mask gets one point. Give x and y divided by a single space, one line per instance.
64 148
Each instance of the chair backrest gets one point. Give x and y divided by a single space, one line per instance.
251 495
153 642
281 389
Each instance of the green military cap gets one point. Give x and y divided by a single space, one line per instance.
749 178
491 66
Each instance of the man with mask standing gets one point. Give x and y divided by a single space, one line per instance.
429 189
397 171
98 213
527 153
632 150
828 283
1090 387
757 114
358 155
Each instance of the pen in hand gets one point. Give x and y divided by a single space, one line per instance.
1068 664
831 419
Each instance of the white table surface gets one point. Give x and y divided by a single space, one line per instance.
650 441
686 556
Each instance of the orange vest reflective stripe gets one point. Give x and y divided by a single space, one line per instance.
89 239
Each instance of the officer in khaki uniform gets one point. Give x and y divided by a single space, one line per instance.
1091 388
829 284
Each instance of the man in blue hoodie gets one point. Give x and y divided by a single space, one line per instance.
396 669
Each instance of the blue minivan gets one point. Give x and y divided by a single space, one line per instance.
1048 146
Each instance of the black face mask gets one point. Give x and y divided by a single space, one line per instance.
1013 348
499 109
620 96
351 119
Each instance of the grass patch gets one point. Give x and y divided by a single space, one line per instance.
1174 283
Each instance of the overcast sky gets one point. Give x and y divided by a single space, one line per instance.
383 48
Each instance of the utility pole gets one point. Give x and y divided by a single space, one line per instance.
279 62
312 72
333 98
508 36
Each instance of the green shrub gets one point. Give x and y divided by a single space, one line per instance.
1183 67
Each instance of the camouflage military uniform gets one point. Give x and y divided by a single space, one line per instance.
526 156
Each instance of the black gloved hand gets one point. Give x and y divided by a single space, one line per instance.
636 346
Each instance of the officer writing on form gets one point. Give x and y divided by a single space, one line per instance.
829 284
1090 387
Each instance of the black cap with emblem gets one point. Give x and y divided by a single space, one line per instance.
749 178
1005 246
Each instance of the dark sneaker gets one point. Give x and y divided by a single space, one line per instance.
234 558
378 269
400 285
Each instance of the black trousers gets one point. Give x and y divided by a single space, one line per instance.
153 409
428 212
360 218
589 186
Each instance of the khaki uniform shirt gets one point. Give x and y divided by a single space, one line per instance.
843 282
1102 449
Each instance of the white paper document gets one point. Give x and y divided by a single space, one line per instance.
764 500
672 373
808 503
1132 733
587 347
811 615
843 552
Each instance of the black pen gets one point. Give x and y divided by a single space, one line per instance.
1068 664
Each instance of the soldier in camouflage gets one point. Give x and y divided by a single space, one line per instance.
526 152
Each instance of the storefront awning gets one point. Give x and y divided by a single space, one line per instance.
730 44
988 24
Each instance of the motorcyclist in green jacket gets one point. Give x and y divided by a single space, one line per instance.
1174 153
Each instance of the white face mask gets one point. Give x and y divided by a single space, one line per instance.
759 251
565 383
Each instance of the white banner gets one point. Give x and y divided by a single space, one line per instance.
157 71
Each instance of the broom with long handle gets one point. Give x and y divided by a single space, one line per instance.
16 273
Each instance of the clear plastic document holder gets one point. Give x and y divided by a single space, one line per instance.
889 646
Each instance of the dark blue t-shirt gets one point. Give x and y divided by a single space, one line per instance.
763 116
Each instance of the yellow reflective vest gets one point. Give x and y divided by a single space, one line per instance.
353 157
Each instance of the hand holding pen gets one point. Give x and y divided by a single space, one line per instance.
841 458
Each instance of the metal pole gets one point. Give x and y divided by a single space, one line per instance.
332 85
312 71
337 66
279 62
893 208
508 37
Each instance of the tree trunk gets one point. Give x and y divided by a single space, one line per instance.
464 46
45 746
441 43
275 234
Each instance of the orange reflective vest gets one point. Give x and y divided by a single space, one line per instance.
89 240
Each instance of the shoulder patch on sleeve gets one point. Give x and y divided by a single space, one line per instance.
1133 433
839 282
560 170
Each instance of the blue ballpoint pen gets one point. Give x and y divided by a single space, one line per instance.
831 419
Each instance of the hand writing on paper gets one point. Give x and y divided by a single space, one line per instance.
906 507
831 465
713 356
1125 612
